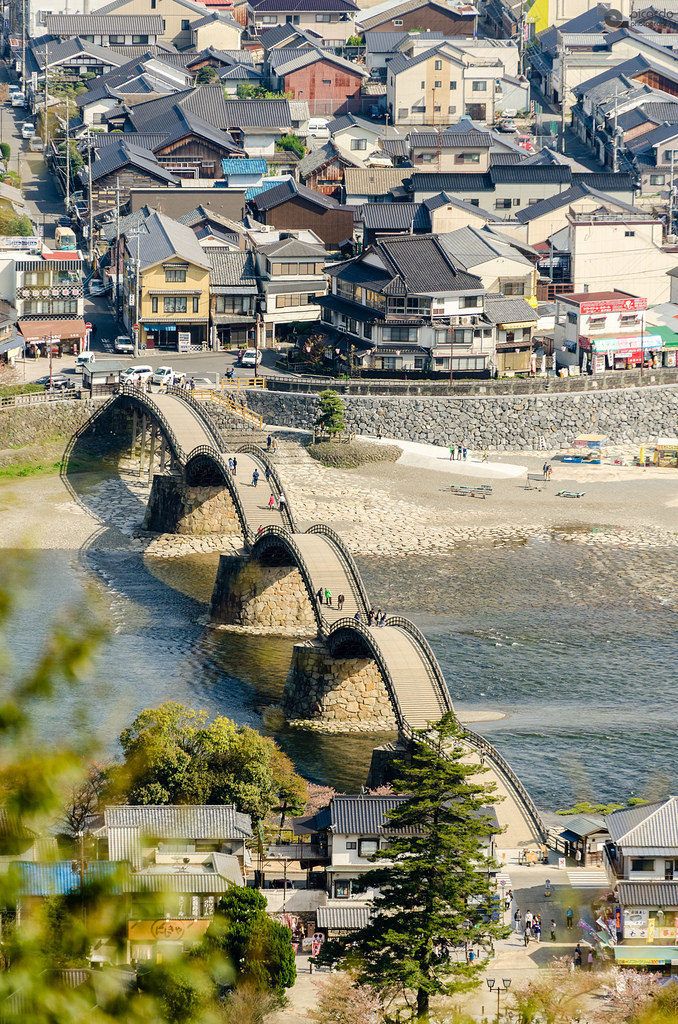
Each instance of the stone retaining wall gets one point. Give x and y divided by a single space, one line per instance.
173 507
507 422
337 695
54 421
270 598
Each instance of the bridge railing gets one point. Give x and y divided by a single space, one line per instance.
371 641
215 456
432 664
347 557
238 409
132 391
199 410
304 568
259 453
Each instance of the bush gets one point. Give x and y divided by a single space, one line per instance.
5 150
9 390
291 144
353 454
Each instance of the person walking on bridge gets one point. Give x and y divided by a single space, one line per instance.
282 503
328 597
271 503
320 595
255 478
235 466
269 442
340 601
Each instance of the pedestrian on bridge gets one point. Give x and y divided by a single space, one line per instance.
328 597
230 465
271 503
235 466
255 478
282 503
340 602
319 596
267 473
269 443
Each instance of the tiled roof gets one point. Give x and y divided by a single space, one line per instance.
258 114
393 216
445 199
509 311
58 51
470 246
385 42
215 18
206 101
648 894
584 824
633 66
499 159
205 882
303 6
201 214
603 182
653 826
280 33
662 133
395 147
552 203
164 238
125 154
142 140
289 190
234 271
284 62
423 266
362 815
95 24
240 165
437 181
239 72
293 248
403 63
344 918
177 122
190 821
374 181
450 139
533 174
380 13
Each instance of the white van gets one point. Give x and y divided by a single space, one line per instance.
18 99
317 128
136 375
83 360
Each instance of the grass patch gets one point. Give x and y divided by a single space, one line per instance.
352 454
18 470
10 390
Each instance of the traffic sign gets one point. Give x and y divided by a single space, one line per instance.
88 326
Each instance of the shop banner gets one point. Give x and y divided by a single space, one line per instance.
183 930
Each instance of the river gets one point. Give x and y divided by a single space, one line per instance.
576 646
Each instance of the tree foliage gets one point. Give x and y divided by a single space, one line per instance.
556 997
331 412
175 755
259 947
436 895
11 224
291 143
343 1001
207 75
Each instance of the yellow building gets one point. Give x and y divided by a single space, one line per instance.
168 278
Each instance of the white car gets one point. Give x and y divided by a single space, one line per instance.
136 375
96 287
166 375
250 357
83 360
18 99
27 130
123 344
317 128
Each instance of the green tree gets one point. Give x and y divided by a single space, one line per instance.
206 75
5 151
259 947
356 40
291 143
175 755
331 412
436 896
11 224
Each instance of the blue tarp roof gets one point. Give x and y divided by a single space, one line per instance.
232 165
59 878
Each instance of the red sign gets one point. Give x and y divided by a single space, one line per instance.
628 305
88 326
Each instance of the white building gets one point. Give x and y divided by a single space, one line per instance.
605 330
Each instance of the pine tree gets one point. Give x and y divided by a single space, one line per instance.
331 414
436 897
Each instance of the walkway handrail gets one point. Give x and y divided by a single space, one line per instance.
132 391
366 633
306 575
197 408
347 557
432 662
215 456
243 411
259 453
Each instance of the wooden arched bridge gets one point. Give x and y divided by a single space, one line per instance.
175 428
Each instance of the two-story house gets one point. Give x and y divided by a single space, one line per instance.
290 206
332 20
166 287
110 30
180 18
234 293
404 304
49 300
644 853
597 331
330 84
291 278
452 18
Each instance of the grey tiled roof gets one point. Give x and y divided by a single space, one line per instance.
191 821
125 154
209 883
142 140
630 67
603 182
509 311
552 203
95 24
344 918
293 248
403 63
387 12
362 815
470 246
385 42
232 272
60 50
164 238
533 174
201 214
648 894
303 6
653 826
284 62
393 216
258 114
657 135
441 181
279 194
584 824
207 101
451 139
445 199
280 33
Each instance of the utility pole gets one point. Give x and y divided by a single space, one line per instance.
91 203
672 193
137 299
45 129
23 46
118 303
615 142
68 161
561 140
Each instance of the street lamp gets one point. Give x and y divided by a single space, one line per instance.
504 987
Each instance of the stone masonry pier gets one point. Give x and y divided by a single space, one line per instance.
175 507
272 598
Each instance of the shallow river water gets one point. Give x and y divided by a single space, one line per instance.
578 646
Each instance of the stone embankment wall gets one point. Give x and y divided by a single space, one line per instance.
337 695
507 422
53 421
173 507
269 598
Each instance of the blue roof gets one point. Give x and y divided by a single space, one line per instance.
233 165
58 878
256 190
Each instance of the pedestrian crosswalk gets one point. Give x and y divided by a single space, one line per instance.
588 878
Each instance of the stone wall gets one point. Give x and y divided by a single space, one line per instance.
507 422
54 421
173 507
339 695
270 598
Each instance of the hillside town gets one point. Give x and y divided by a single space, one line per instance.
205 200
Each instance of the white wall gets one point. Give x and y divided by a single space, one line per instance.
604 257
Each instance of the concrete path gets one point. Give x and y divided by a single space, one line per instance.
437 457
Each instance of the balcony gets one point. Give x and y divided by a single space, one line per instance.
61 291
315 853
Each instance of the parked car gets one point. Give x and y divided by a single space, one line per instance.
123 344
18 99
27 130
508 126
166 375
60 382
96 286
14 88
136 375
83 360
250 357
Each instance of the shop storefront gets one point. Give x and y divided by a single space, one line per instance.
232 331
600 353
158 940
173 336
66 337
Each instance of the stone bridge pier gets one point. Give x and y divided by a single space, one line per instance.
176 507
270 597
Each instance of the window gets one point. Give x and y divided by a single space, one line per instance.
478 86
427 158
323 17
154 304
419 362
342 888
143 39
351 845
154 4
196 303
629 318
474 202
185 24
269 19
389 363
423 85
597 323
513 287
400 333
502 204
327 81
438 66
657 179
368 847
516 202
296 299
468 302
571 318
367 331
668 153
453 86
397 22
451 109
358 144
437 84
437 108
175 304
642 864
420 108
175 274
467 158
629 234
116 40
374 299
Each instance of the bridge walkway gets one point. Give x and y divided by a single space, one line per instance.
419 699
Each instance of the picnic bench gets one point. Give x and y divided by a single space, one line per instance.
535 481
472 491
570 494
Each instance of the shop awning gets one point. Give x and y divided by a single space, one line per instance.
646 956
40 330
621 343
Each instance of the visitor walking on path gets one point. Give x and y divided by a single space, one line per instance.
518 921
269 443
553 930
271 503
255 478
340 602
452 452
526 937
328 597
319 595
282 502
235 466
569 917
